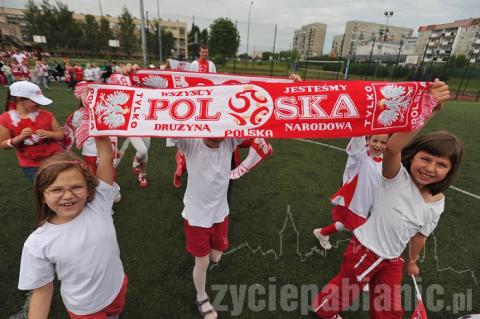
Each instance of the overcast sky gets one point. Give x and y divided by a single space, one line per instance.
287 14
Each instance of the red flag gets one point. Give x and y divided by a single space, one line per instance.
420 312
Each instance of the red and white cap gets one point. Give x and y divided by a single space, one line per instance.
30 91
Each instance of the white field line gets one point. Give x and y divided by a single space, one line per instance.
343 150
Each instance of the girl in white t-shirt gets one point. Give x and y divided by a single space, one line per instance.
406 209
361 177
75 239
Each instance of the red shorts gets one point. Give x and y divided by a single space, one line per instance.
359 267
115 308
348 218
201 240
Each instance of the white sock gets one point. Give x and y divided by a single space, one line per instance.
200 276
339 226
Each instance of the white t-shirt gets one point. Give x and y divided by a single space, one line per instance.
19 57
97 74
211 67
361 178
84 254
399 212
208 169
89 74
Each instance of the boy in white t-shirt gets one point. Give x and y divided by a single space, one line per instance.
353 201
206 209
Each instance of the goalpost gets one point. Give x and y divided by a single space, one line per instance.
320 68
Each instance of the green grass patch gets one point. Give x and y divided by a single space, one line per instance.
270 248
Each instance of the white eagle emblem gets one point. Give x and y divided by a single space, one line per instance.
155 82
110 111
395 103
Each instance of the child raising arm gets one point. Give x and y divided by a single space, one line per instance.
75 239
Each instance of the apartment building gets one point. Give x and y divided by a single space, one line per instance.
15 17
177 28
437 42
309 40
336 50
359 32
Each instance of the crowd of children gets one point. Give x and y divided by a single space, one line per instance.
391 197
15 66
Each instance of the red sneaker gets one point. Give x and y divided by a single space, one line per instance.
136 165
177 180
180 162
142 181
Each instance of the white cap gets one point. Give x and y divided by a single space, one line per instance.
30 91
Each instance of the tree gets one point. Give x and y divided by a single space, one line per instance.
90 27
168 42
105 34
204 36
224 38
32 15
194 41
66 30
56 23
287 55
462 61
267 55
126 32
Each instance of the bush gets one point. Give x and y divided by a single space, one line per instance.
219 60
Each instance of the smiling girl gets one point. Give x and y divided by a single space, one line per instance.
75 239
406 210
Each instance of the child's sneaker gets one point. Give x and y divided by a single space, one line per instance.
177 180
136 165
324 240
142 180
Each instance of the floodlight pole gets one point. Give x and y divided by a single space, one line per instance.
144 36
100 5
159 33
398 58
248 32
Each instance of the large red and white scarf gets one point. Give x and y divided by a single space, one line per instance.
316 109
167 79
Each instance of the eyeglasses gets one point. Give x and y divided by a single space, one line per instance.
58 192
